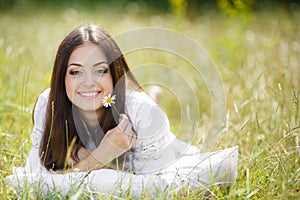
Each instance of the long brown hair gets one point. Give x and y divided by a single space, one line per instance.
60 127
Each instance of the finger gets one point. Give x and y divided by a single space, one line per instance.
123 123
128 130
133 138
122 116
109 132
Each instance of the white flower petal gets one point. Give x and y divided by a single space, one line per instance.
111 99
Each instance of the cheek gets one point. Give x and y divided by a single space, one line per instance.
107 84
70 87
111 86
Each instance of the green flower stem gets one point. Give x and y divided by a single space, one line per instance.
114 107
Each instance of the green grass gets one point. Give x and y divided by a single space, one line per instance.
257 55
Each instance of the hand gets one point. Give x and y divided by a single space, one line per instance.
82 153
116 141
122 136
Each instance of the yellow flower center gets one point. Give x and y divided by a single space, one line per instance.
108 100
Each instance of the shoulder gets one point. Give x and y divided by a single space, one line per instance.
146 116
135 101
137 98
45 93
42 100
39 117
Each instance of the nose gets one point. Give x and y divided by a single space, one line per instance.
89 80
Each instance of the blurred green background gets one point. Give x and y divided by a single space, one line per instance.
254 44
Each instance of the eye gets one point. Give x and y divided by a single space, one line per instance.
75 72
101 71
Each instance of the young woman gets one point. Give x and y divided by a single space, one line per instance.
77 139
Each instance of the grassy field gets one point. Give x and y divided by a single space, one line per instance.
257 55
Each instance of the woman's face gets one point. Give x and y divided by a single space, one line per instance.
88 78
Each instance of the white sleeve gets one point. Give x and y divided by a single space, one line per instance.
152 127
33 163
153 130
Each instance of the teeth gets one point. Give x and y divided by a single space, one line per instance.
89 94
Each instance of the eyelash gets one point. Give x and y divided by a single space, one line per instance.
99 71
74 72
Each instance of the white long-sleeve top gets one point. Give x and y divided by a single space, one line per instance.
150 151
158 158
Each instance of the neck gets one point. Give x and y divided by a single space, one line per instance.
91 117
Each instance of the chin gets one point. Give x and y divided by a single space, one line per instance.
89 108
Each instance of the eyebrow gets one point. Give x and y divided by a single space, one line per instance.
94 65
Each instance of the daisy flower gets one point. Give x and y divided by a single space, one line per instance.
108 101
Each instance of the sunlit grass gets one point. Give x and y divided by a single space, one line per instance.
258 57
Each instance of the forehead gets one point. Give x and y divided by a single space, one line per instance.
86 53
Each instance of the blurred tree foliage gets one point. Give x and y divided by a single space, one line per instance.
180 8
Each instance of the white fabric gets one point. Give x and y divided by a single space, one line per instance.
160 161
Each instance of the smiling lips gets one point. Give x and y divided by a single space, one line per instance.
89 94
